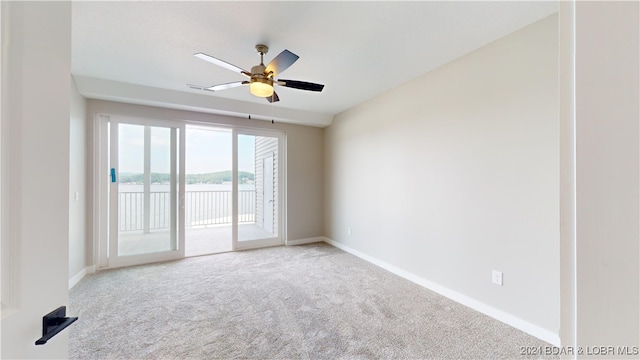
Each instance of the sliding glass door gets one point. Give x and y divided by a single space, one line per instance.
177 190
231 189
145 168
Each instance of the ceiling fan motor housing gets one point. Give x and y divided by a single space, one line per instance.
258 70
258 75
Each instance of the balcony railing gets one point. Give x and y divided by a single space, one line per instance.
201 208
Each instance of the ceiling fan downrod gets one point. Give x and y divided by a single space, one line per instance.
262 50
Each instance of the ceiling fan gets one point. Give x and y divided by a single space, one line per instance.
261 78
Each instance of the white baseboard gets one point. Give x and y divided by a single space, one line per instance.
306 241
77 277
516 322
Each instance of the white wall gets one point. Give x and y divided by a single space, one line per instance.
303 155
77 184
456 173
607 169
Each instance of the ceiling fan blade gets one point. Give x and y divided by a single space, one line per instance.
197 87
226 86
302 85
218 87
281 62
221 63
273 98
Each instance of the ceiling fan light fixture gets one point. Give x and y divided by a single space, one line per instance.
261 88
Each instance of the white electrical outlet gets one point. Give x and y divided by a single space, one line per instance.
349 231
496 277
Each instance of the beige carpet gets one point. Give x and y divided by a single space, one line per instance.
301 302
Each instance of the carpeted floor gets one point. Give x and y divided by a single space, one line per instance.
299 302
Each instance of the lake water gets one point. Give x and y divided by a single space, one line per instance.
189 187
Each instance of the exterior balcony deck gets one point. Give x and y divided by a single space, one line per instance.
199 240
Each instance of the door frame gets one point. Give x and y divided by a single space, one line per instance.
34 146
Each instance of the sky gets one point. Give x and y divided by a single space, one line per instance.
207 150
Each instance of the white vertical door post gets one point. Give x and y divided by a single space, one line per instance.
267 179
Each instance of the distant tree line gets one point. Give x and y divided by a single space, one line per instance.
219 177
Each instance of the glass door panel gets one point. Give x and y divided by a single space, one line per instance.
257 191
208 200
144 192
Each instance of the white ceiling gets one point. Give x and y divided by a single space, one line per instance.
142 52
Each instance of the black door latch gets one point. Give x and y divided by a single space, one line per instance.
53 323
